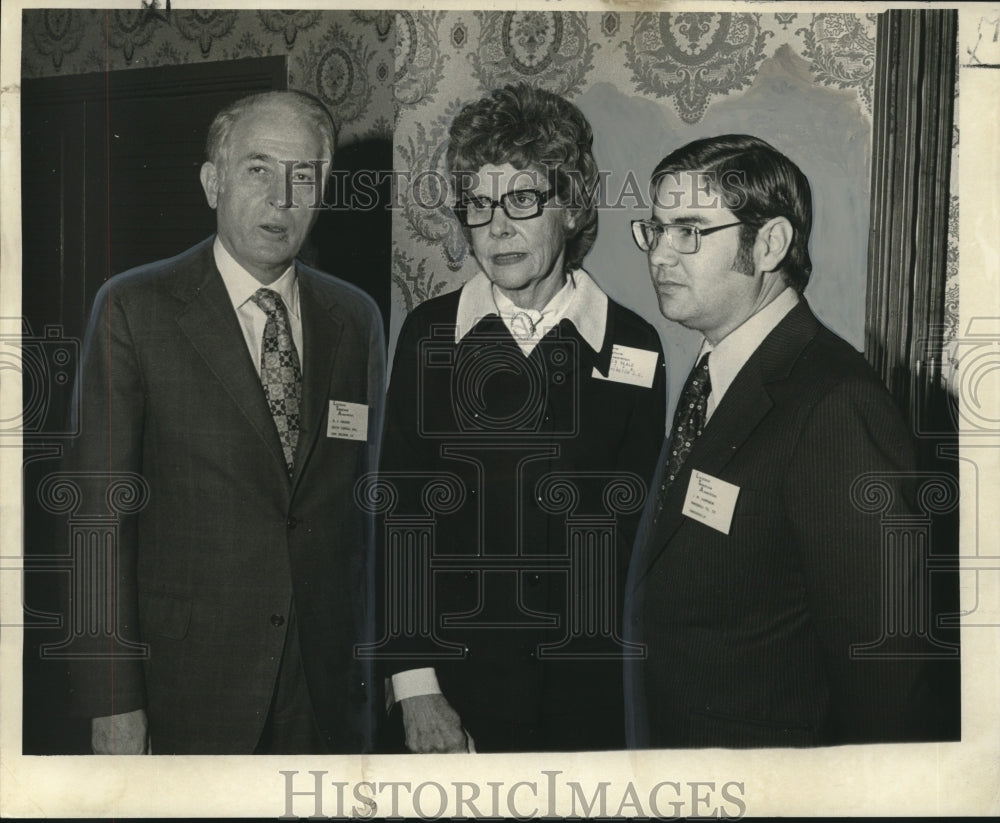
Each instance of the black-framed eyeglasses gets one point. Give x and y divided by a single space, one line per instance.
522 204
681 237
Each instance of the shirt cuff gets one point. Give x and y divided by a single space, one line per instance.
414 683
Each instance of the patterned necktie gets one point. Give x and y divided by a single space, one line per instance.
280 374
689 420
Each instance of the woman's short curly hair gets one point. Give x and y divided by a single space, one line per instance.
531 128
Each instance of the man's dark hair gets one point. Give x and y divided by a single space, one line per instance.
757 183
531 128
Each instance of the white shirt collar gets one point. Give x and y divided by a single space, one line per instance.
241 285
581 301
735 349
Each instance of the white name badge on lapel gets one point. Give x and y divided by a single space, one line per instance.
348 421
636 367
711 501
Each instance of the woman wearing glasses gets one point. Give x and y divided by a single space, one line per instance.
542 402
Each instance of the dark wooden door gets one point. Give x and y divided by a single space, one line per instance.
110 173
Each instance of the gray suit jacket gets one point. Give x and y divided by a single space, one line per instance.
208 569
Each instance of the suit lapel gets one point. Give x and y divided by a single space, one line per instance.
745 404
321 332
210 324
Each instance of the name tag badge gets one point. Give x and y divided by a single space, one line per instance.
347 421
636 367
711 501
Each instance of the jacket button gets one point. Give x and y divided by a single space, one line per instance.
291 522
277 620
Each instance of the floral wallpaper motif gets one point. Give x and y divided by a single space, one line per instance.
56 34
414 282
341 56
419 62
841 49
459 35
951 282
424 199
785 19
382 20
611 23
684 63
406 73
129 30
542 47
249 45
288 23
951 278
693 57
337 69
205 27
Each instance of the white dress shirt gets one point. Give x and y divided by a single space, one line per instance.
731 353
241 286
580 300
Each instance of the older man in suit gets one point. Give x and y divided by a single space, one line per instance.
245 389
757 579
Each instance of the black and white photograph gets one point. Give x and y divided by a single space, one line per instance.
538 409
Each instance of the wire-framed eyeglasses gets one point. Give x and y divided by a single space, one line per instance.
681 237
522 204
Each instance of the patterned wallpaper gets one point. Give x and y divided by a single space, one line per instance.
407 73
685 62
344 57
682 62
949 336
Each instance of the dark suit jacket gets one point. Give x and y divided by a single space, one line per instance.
208 569
749 634
501 423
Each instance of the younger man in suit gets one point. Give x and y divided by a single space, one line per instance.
245 390
758 576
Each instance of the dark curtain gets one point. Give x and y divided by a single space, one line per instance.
911 165
915 76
